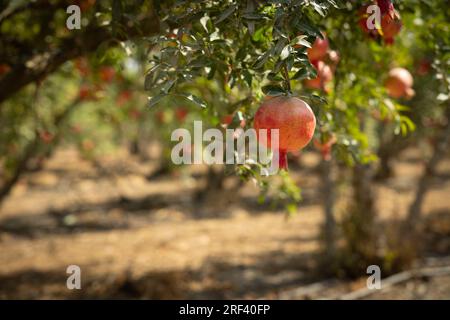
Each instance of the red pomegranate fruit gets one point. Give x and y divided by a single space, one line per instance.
386 7
324 76
292 117
391 26
319 49
399 83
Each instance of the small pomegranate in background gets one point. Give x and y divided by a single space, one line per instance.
85 92
107 74
324 76
228 119
134 113
4 69
46 136
325 147
160 117
82 65
318 50
424 67
399 83
292 117
76 128
181 114
124 97
87 145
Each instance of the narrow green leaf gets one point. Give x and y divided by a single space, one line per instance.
155 99
226 13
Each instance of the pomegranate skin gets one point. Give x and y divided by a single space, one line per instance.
292 117
391 26
399 83
319 49
386 6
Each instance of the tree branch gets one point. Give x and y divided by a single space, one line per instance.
89 40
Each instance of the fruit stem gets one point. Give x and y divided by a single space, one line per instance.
282 160
286 78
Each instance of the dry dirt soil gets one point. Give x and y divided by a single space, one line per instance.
136 236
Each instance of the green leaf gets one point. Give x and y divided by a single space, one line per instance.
262 59
155 99
301 40
247 77
226 13
198 101
168 86
204 22
273 90
253 16
300 75
285 52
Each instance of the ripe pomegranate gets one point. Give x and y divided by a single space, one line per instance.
391 26
399 83
319 49
324 76
292 117
386 7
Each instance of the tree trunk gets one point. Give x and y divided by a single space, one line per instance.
443 138
329 227
32 149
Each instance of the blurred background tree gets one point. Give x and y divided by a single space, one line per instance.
137 70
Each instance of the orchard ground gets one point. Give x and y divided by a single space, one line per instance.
138 237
